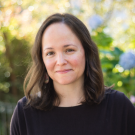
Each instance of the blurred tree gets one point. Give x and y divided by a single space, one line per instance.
14 54
112 71
14 62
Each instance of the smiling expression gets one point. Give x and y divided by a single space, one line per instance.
63 54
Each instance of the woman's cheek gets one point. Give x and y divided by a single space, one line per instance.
78 59
49 64
75 61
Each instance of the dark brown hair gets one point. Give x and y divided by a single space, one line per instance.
34 82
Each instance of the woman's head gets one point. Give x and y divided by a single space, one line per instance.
63 54
70 31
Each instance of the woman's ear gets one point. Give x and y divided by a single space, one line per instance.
46 78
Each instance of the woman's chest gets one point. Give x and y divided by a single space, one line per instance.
74 123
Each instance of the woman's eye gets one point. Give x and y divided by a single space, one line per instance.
50 53
69 50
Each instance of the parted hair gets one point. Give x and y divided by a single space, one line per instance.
42 95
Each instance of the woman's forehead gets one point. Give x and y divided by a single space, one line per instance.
56 28
59 33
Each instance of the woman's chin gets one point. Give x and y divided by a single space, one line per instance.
64 82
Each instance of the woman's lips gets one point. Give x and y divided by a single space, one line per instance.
63 71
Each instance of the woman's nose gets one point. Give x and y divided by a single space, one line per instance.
61 59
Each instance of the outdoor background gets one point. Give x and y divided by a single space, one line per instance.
111 24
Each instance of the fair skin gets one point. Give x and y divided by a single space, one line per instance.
64 59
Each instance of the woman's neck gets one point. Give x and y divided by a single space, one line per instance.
71 94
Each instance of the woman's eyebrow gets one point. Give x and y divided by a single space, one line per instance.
64 46
69 45
47 48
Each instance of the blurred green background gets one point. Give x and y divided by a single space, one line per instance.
111 25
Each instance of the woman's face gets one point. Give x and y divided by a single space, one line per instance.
63 54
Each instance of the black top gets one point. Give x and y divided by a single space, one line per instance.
115 115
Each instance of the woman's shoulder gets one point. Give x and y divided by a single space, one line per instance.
17 124
22 102
111 93
114 94
118 100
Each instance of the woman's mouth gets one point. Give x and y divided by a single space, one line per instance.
63 71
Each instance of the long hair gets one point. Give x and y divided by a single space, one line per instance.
93 77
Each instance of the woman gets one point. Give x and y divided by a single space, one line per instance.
64 88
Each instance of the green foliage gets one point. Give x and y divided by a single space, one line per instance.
102 40
14 60
113 73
